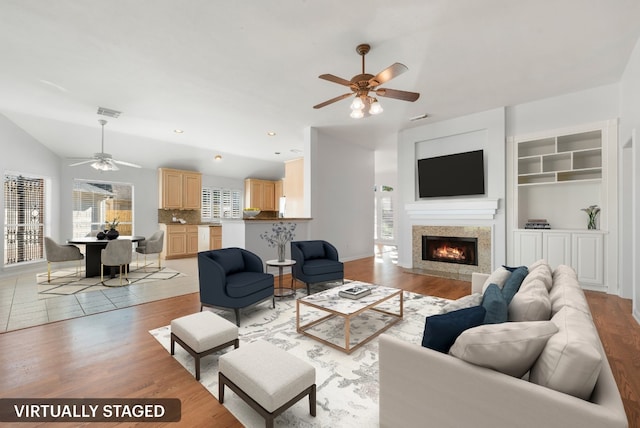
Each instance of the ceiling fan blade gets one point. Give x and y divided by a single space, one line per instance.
333 100
388 74
399 95
335 79
133 165
83 162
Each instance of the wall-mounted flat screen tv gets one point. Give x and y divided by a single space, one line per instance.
460 174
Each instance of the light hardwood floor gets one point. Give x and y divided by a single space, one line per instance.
112 355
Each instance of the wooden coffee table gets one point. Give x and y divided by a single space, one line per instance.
385 304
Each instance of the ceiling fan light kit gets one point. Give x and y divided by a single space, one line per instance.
362 84
103 161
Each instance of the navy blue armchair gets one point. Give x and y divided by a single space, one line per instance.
316 261
233 278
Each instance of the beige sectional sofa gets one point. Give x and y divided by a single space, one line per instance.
423 387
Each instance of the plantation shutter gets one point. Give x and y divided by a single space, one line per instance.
205 212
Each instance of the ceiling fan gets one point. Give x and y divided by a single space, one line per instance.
361 84
103 161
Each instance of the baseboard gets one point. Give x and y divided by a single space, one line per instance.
636 316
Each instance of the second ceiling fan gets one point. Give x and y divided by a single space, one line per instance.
362 84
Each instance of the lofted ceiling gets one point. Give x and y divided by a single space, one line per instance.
227 73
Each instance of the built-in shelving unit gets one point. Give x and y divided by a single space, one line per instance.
572 157
554 175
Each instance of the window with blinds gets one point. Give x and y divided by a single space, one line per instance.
24 218
97 202
221 203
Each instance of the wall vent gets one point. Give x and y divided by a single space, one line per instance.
109 112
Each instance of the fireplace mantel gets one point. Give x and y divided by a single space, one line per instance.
466 209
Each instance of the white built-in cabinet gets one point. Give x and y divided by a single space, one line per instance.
553 175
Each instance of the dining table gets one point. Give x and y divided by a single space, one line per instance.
93 251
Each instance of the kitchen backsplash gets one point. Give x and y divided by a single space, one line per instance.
190 216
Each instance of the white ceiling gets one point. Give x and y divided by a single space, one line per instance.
229 72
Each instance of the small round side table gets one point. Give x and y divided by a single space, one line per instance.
282 291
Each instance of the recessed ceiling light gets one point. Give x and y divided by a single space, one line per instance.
296 151
218 158
178 131
271 133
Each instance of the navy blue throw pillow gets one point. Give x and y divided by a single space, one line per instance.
441 331
511 268
512 284
312 250
494 303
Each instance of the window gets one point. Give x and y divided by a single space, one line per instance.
221 203
98 202
23 219
384 227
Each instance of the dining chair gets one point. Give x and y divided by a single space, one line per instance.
60 253
152 245
116 253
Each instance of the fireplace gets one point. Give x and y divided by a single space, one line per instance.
450 249
451 262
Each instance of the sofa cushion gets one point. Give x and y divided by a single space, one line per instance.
243 284
512 284
230 259
572 358
312 249
534 265
510 348
321 266
497 277
531 303
495 305
441 331
567 292
564 270
469 301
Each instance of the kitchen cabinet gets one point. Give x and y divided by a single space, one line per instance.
180 241
260 194
179 190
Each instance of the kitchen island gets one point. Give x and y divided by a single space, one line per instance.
245 233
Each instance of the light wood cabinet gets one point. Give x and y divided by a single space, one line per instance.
260 194
180 241
179 190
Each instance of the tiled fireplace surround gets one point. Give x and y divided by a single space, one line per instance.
461 218
452 270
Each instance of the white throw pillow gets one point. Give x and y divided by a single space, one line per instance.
564 270
543 273
531 303
462 303
536 264
572 359
497 277
510 348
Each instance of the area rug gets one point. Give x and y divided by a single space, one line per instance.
347 385
66 281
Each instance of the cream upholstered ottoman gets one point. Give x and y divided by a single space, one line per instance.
201 334
267 378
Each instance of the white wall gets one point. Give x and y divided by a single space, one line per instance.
630 179
339 179
485 131
21 153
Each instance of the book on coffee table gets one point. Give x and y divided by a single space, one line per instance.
355 292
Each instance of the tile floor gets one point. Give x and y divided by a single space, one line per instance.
21 306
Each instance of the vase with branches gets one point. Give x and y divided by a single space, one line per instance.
592 211
279 235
